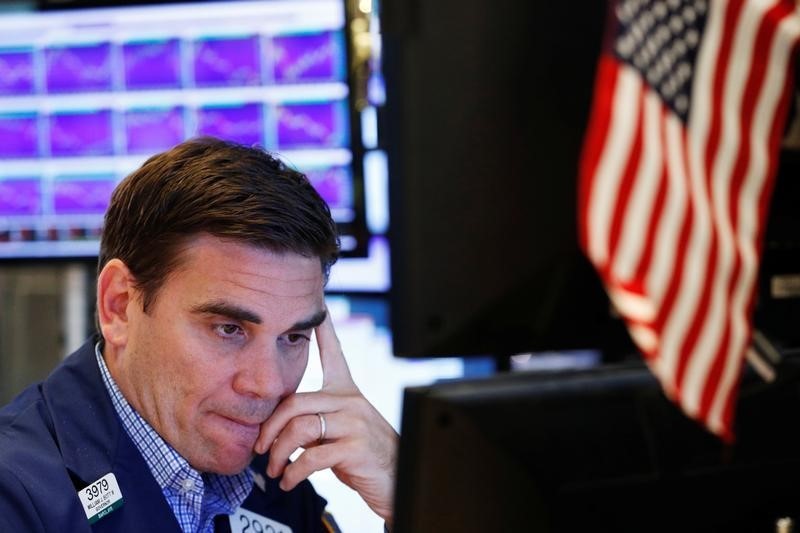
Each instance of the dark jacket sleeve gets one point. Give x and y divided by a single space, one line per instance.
17 512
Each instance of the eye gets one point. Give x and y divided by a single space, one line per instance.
295 339
228 331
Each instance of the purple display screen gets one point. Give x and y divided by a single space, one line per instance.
81 134
16 72
153 130
87 95
79 68
242 124
20 196
74 195
152 64
312 125
227 62
313 57
334 185
19 135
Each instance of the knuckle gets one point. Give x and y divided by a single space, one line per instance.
317 456
359 405
360 426
280 449
294 427
296 431
311 426
290 403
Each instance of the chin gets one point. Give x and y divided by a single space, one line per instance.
229 466
225 460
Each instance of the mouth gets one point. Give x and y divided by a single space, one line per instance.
245 428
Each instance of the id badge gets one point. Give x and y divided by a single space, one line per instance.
244 521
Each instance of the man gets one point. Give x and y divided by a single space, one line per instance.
212 267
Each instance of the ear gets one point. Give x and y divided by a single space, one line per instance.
115 291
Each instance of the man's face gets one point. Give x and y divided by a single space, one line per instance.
225 340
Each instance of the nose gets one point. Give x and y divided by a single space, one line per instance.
260 374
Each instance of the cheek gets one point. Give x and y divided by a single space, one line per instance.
195 376
294 368
196 393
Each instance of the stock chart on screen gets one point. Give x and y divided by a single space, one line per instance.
78 68
154 129
86 95
16 71
152 64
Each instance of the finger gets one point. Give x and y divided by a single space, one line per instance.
335 373
310 461
301 432
298 404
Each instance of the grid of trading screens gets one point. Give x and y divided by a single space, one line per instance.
87 95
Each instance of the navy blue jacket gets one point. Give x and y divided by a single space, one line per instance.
59 436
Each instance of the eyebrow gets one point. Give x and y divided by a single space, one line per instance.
227 310
244 315
311 323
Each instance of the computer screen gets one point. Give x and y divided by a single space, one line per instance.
86 95
593 450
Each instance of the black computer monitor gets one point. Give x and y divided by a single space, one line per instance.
486 106
593 450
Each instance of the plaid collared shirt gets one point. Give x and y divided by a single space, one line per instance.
195 498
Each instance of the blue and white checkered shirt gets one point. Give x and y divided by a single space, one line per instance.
195 498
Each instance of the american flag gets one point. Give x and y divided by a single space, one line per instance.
677 170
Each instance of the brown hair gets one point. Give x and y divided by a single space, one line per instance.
206 185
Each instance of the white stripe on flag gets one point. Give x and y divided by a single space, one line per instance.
630 305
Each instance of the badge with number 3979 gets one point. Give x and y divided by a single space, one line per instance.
101 498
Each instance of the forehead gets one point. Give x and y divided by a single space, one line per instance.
242 274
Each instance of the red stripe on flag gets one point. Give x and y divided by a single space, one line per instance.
595 139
